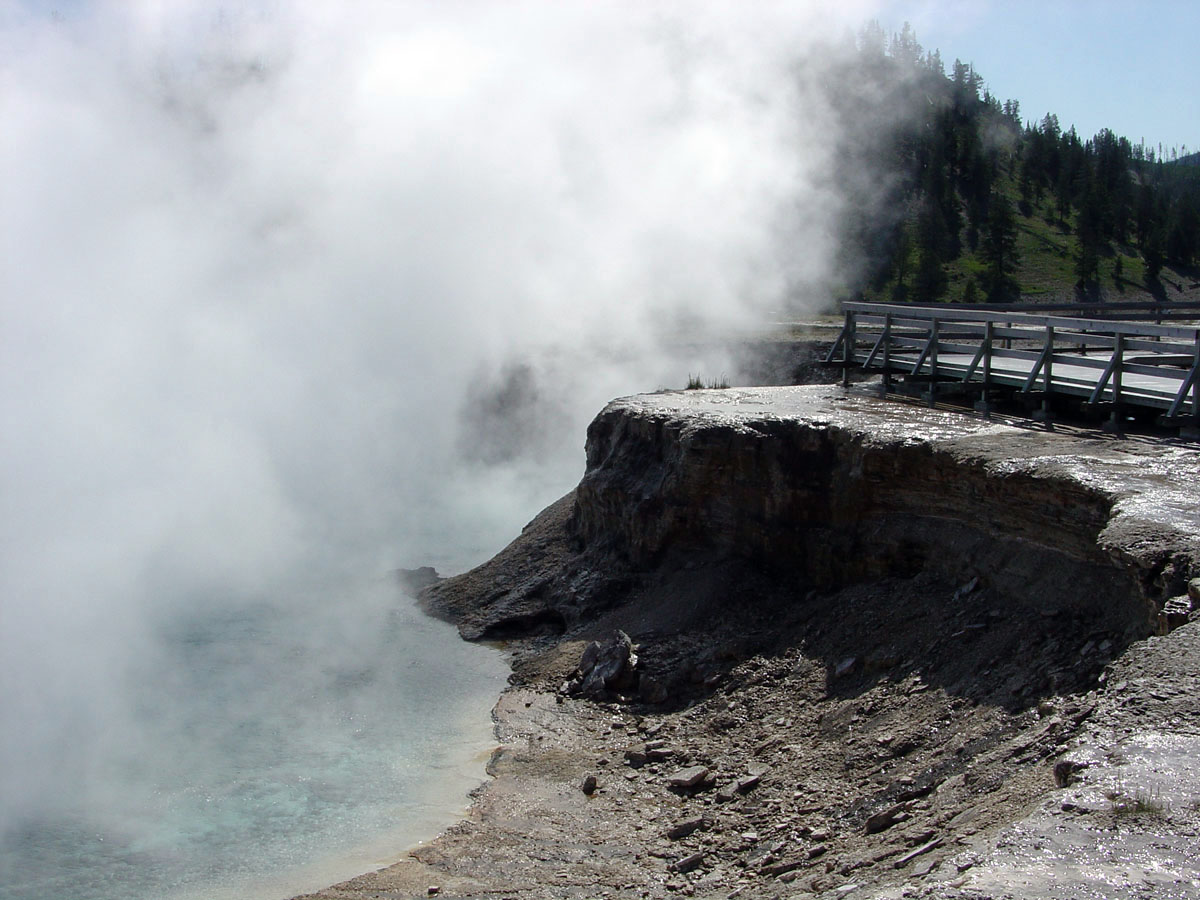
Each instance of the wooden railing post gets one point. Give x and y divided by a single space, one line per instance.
1114 417
848 347
886 381
933 360
985 405
1047 374
1196 385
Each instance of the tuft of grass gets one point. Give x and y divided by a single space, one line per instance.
696 383
1144 804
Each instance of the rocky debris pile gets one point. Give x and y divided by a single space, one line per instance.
605 669
787 769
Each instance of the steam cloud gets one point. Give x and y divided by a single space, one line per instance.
295 292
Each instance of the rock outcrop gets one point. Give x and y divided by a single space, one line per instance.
816 488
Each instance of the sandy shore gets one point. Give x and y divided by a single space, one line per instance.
813 791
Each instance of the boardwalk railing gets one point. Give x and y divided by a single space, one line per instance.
1114 366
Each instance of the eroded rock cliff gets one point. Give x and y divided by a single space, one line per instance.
814 489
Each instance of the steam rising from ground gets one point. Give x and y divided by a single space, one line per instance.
294 295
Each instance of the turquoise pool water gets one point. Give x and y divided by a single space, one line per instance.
262 751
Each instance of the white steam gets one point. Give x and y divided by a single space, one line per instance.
295 291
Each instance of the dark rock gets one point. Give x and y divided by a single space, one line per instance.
1064 771
683 829
774 870
747 784
606 667
913 854
589 658
920 870
1175 612
885 819
688 863
689 779
652 691
636 756
589 785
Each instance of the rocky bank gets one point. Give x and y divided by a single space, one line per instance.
801 641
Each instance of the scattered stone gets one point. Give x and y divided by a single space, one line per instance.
913 854
589 785
433 890
1193 591
652 691
1065 770
885 819
774 870
919 836
747 784
916 792
688 863
921 869
688 779
683 829
636 757
966 588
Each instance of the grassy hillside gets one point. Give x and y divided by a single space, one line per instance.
953 197
1048 248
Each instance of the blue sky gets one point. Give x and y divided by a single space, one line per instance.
1130 66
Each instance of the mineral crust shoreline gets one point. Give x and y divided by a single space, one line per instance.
881 651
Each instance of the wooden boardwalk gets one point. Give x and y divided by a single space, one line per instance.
1110 367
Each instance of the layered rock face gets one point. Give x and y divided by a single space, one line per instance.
819 488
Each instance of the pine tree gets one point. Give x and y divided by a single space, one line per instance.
1152 253
1089 227
929 280
998 250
